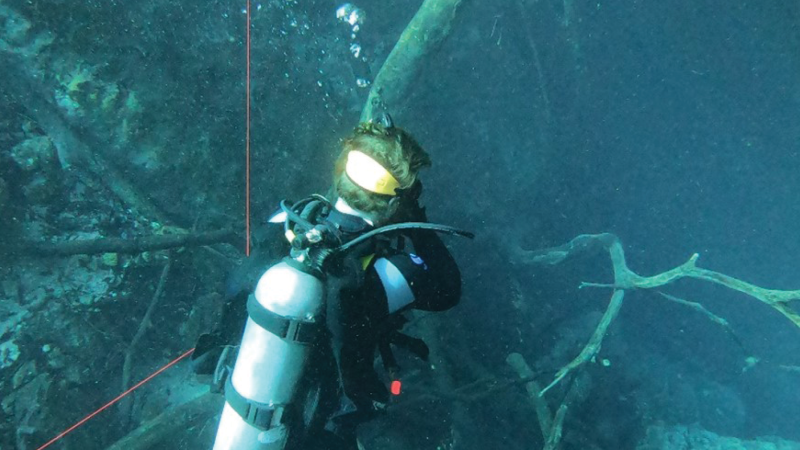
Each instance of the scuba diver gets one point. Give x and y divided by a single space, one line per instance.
304 376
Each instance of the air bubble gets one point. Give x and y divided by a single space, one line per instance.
350 14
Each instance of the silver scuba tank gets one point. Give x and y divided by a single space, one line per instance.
284 319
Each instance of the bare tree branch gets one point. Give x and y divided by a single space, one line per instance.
129 246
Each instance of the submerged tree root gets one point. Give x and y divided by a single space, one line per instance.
427 30
624 280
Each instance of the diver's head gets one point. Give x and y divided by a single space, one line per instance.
378 162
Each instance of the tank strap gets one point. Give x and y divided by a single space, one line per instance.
286 328
259 415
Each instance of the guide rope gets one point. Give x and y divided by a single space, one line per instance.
118 398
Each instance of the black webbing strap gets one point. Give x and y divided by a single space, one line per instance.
284 327
259 415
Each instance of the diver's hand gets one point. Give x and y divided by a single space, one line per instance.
410 213
411 193
408 208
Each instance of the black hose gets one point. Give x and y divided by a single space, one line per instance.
405 226
292 216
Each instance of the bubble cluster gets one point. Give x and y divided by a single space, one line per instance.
353 17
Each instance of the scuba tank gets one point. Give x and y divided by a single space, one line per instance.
270 400
284 321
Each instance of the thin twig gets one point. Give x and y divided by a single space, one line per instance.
143 326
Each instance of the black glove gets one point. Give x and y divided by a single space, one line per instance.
408 209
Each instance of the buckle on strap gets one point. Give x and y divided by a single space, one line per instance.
287 328
259 415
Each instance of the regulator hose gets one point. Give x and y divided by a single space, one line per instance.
405 226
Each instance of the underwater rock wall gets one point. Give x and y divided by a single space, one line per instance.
157 90
154 91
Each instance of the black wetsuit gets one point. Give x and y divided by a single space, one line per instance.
358 318
361 318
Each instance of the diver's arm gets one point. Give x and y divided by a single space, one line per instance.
426 277
442 289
